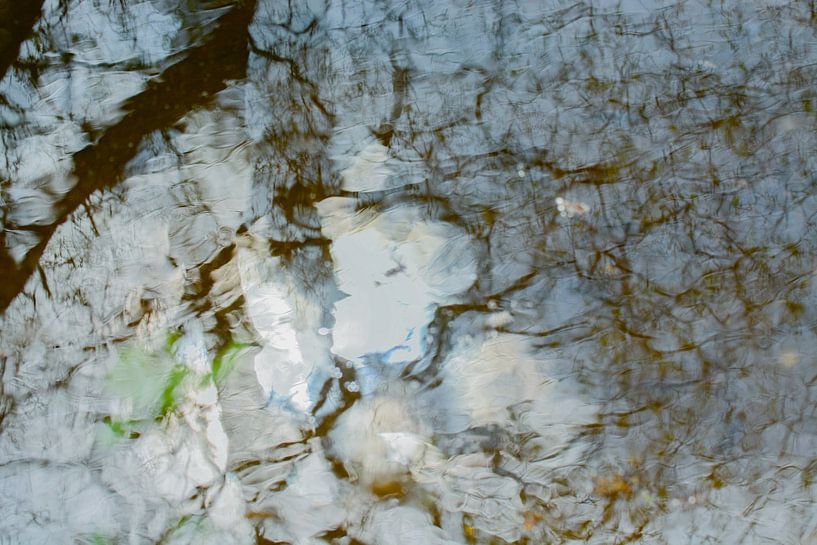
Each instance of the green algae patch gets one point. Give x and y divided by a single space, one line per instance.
227 359
147 382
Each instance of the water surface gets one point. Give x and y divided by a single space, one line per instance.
396 273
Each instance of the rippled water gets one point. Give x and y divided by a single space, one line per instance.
408 272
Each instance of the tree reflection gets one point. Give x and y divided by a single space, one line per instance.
674 298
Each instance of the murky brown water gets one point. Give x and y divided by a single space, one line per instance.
408 273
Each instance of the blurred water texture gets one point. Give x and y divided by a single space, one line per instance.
385 273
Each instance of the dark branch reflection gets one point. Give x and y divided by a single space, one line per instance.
386 273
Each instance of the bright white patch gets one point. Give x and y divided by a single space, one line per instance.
499 319
191 349
395 268
569 209
207 396
489 378
378 437
217 439
404 448
280 366
308 506
227 511
400 525
368 171
353 386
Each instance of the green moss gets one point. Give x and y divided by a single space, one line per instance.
226 359
140 377
101 539
123 428
170 394
149 380
172 337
